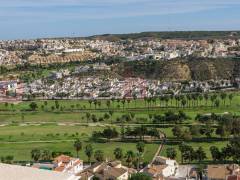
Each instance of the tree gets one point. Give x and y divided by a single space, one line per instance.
187 152
206 98
200 154
99 155
140 176
230 97
195 130
90 103
171 153
213 98
46 155
88 116
8 159
89 151
177 131
234 148
78 146
110 133
216 154
184 102
33 106
118 153
35 154
130 157
108 103
223 97
111 114
140 147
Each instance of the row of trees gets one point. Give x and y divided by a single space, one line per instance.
183 101
189 154
126 132
131 157
229 152
188 100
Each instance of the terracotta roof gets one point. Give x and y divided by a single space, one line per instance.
59 168
220 171
62 158
155 169
114 172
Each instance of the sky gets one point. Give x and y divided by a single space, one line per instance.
27 19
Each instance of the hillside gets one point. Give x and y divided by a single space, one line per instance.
181 70
170 35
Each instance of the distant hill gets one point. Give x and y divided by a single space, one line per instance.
181 69
171 35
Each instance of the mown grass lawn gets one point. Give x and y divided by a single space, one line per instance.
22 152
22 139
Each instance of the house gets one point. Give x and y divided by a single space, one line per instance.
13 172
221 172
233 177
161 168
106 170
68 164
185 172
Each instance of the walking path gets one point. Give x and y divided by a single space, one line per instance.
160 148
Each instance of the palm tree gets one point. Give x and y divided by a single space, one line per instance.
200 154
206 98
99 155
189 98
171 152
35 154
145 101
140 147
108 104
90 103
128 101
184 102
200 97
88 115
22 117
118 153
135 99
46 155
230 97
95 103
130 157
99 104
166 99
111 112
123 102
213 98
113 99
89 152
78 146
223 97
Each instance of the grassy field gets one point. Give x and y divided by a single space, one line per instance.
75 110
22 130
19 141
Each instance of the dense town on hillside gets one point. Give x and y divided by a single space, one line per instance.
44 51
69 83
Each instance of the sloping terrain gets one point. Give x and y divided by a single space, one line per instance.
181 70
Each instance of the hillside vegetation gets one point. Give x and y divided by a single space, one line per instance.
170 35
181 70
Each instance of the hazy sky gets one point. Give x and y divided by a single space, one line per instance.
53 18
